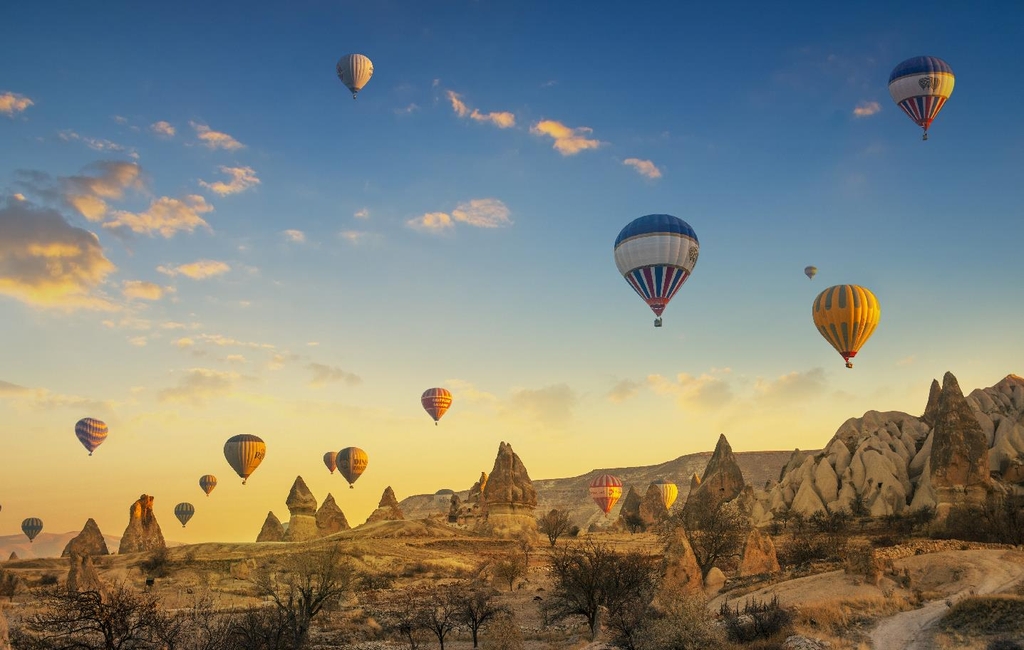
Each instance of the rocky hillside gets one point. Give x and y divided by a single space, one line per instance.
572 493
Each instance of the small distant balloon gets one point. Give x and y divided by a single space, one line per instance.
330 459
354 70
91 433
605 490
184 511
435 402
352 462
810 272
244 453
208 482
669 492
32 527
846 315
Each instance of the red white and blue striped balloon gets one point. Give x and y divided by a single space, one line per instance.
920 86
656 254
91 433
605 490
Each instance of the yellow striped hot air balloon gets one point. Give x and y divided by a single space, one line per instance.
354 70
846 315
244 453
669 492
352 462
208 482
91 433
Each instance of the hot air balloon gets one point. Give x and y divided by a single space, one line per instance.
605 490
435 402
668 490
32 527
208 482
184 512
91 433
810 272
352 463
921 86
244 452
846 315
330 460
656 254
354 70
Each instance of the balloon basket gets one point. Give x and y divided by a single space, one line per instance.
657 322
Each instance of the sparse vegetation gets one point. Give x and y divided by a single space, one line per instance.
509 568
10 584
1001 522
716 531
554 524
680 622
156 564
758 620
999 615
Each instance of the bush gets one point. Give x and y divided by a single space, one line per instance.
156 565
372 581
48 579
1001 523
1004 644
759 620
680 622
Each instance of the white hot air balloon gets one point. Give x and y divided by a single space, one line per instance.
355 70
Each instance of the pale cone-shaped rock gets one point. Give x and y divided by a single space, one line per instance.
143 531
301 528
630 504
959 450
715 580
88 542
82 576
387 509
681 569
300 500
329 518
273 529
12 557
759 555
722 480
509 497
652 507
477 490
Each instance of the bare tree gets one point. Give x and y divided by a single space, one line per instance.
509 568
717 531
441 610
525 547
308 583
554 524
477 607
10 584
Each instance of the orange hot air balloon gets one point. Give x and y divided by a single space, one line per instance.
244 453
330 460
208 482
435 402
605 490
352 462
846 315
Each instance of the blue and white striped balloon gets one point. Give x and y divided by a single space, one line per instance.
656 254
920 87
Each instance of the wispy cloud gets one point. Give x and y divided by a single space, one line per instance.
165 216
643 167
362 214
200 385
551 405
708 391
794 386
866 109
96 144
411 108
569 141
45 261
324 374
163 129
501 119
142 290
481 213
295 236
42 398
138 341
623 390
215 139
87 193
356 237
12 103
197 270
242 178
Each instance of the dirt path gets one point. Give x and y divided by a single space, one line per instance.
963 574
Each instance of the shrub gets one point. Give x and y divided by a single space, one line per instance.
759 620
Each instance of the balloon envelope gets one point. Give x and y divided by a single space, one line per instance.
184 512
810 272
244 453
669 492
435 402
605 490
32 527
656 254
920 87
846 315
91 433
330 459
208 482
354 70
352 462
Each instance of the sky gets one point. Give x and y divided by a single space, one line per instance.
203 234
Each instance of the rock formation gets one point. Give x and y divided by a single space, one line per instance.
143 531
82 576
477 490
887 462
508 496
272 531
759 555
722 480
13 556
681 569
630 505
302 508
652 507
88 542
329 518
387 509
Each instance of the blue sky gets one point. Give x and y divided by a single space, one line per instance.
275 258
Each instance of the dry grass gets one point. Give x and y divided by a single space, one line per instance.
843 622
985 618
